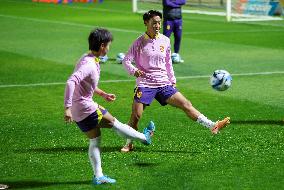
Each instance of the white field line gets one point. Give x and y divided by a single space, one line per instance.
73 6
128 80
67 23
233 31
124 12
72 24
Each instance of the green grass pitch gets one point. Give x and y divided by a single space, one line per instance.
39 46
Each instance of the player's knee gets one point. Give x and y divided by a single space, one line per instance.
112 121
136 116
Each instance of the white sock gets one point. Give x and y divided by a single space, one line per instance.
95 156
128 132
205 121
129 141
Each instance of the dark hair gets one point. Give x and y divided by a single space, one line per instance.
97 37
150 14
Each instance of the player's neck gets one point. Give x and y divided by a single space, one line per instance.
95 53
151 35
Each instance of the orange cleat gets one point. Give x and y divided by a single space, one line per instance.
219 125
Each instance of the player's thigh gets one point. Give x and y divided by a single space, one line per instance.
137 112
177 28
168 27
138 107
93 133
106 121
178 100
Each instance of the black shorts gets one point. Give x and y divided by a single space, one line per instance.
92 120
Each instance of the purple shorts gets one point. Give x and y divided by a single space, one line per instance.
92 120
146 95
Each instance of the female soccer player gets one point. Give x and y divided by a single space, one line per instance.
151 53
88 115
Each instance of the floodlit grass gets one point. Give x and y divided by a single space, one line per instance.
40 43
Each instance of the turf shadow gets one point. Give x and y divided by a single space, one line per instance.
146 164
63 150
67 149
258 122
38 184
166 151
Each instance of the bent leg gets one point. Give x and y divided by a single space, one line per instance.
108 121
136 114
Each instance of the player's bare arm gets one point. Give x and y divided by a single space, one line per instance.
68 115
108 97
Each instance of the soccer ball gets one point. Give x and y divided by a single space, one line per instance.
120 57
221 80
103 59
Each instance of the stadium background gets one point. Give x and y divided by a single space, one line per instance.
39 46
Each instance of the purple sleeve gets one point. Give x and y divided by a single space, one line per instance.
127 61
181 2
169 66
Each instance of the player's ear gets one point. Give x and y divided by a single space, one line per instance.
103 45
145 23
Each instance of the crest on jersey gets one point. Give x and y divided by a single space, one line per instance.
162 48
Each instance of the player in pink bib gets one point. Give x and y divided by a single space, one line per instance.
88 115
151 53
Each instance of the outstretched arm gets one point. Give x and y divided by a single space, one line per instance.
106 96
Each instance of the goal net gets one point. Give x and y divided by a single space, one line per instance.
233 10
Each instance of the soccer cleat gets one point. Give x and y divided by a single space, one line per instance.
103 180
127 148
219 125
149 132
176 58
3 186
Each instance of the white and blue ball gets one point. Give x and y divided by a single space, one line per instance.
103 59
221 80
120 57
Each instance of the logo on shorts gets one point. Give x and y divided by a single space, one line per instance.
168 27
138 94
